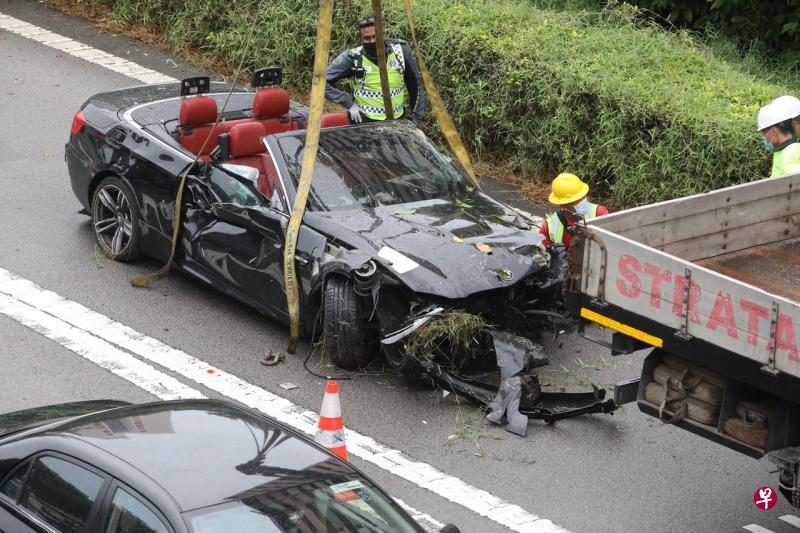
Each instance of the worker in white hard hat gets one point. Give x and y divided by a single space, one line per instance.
792 106
568 193
775 123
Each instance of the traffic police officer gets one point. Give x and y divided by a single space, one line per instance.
361 66
568 192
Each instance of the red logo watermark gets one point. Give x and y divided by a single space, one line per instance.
765 498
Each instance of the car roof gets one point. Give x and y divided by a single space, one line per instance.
204 452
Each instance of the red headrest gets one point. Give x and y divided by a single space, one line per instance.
270 102
332 120
198 110
246 139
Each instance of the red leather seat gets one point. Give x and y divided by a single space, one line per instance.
271 110
196 123
334 120
247 148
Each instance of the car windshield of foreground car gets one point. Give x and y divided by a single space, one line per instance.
353 506
373 166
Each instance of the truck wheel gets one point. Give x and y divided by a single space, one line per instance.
115 219
344 340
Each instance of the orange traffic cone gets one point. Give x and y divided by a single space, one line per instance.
331 427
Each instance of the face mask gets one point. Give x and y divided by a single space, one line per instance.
768 145
582 207
371 49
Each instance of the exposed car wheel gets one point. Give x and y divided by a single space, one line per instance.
115 219
345 342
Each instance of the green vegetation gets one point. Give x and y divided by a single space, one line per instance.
642 113
456 338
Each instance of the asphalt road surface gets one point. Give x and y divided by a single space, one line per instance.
620 473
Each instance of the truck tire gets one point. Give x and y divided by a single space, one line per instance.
344 339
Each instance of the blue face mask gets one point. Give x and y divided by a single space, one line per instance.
582 207
768 145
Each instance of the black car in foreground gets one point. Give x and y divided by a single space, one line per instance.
200 466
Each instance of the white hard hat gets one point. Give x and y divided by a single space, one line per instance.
772 114
789 103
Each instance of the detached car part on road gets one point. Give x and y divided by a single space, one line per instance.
393 229
204 466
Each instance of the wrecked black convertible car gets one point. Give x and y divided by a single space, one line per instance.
395 239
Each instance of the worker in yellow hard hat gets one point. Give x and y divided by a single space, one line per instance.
568 193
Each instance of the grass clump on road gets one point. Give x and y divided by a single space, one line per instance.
642 113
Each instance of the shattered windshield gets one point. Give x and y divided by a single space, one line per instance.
373 167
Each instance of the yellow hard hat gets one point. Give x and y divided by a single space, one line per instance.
567 188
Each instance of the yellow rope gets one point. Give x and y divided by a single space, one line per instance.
307 170
439 111
380 44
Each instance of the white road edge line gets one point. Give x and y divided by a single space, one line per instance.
428 523
394 461
423 475
82 51
755 528
791 519
97 351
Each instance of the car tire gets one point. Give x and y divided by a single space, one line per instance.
115 219
344 339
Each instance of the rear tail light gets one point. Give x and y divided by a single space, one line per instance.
77 122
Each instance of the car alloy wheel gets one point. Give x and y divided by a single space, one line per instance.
115 220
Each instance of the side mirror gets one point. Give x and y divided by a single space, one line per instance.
449 528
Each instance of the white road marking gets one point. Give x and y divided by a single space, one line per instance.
97 351
791 519
394 461
423 475
755 528
428 523
82 51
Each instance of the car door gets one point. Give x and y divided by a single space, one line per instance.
52 493
234 236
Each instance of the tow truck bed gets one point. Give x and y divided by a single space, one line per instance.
773 267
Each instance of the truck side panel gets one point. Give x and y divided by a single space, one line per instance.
720 310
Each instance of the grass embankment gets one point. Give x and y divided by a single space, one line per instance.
642 113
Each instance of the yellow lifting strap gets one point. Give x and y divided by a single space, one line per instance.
307 170
439 111
380 44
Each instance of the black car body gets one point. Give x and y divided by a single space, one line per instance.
394 234
132 134
183 466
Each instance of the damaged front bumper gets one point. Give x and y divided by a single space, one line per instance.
516 397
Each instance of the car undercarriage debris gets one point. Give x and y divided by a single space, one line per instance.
453 349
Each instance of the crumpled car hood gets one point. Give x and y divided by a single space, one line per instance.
430 245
